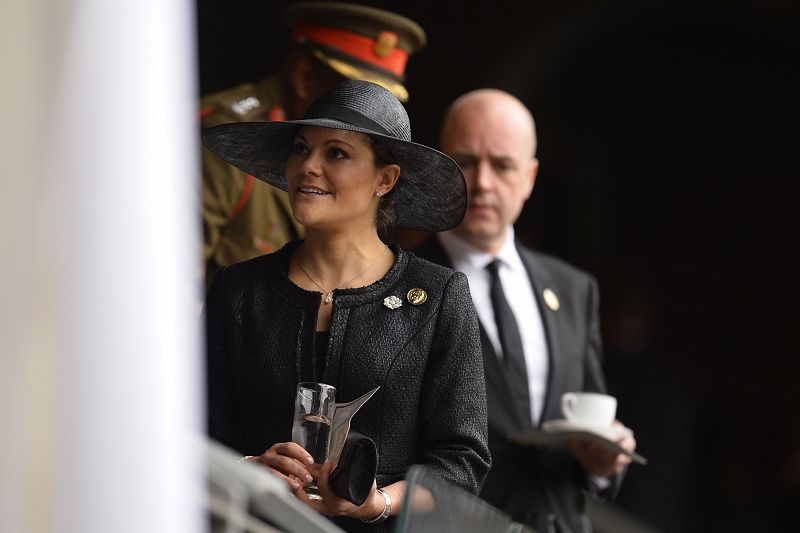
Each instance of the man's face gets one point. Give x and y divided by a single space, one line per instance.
494 149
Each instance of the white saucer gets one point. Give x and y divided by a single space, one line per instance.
559 432
612 433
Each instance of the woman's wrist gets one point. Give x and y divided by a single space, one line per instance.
385 507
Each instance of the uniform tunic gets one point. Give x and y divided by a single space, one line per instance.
243 217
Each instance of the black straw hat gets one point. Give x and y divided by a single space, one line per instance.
430 194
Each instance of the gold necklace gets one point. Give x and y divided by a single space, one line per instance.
328 293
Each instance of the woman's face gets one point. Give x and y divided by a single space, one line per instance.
333 179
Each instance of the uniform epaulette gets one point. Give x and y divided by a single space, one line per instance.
241 103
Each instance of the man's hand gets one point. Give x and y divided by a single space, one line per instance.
598 460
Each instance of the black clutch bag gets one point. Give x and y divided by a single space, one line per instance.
354 474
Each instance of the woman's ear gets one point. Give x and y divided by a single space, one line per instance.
388 178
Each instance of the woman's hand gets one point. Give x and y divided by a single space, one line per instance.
289 461
333 505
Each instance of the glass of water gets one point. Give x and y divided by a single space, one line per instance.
314 407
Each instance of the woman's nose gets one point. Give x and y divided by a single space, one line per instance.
311 164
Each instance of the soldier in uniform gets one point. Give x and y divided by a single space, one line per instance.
242 217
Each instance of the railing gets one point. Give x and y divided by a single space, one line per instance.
243 497
433 505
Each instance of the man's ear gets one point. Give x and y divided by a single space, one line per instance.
534 170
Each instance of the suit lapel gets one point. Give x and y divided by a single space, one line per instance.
555 374
503 413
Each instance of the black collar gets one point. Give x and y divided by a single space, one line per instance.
279 278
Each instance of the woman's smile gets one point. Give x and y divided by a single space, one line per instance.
312 191
332 178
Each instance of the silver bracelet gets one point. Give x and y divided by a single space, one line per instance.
387 509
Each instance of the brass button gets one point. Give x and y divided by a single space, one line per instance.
417 296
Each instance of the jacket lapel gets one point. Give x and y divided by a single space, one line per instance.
503 413
555 374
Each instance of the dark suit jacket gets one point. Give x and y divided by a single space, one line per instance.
431 407
542 487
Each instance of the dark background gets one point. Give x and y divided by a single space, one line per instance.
667 142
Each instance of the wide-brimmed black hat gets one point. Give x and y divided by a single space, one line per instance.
430 194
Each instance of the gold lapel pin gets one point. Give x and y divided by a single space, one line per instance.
551 299
416 296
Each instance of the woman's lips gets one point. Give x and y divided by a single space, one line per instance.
313 191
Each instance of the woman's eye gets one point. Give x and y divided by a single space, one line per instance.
336 153
299 148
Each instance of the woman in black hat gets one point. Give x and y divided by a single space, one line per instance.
343 308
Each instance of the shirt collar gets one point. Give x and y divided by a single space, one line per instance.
466 257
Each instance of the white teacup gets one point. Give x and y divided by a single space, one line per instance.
589 408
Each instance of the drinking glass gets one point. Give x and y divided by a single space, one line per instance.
314 407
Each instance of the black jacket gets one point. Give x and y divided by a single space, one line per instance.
542 487
431 408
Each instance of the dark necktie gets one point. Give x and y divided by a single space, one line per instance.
511 343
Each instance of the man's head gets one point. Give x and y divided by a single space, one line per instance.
492 137
333 41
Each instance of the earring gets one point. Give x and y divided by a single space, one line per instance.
378 193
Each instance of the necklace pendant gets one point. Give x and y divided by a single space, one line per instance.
328 297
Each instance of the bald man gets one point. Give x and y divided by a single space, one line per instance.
539 320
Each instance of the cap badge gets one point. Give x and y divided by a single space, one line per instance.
551 299
417 296
385 43
392 302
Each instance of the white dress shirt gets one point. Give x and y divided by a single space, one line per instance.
521 298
